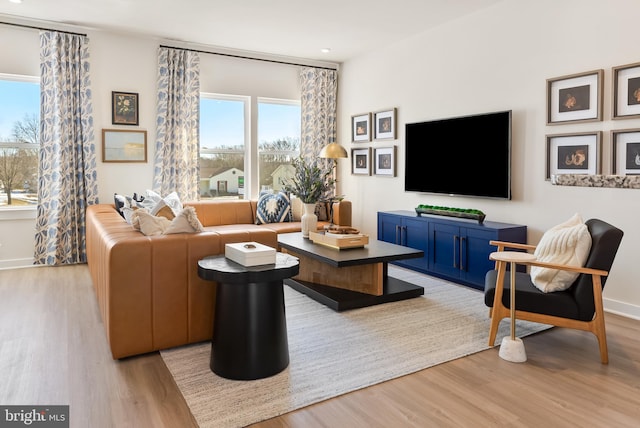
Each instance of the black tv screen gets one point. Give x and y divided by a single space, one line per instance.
465 156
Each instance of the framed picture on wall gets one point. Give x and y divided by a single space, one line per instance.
361 128
625 152
384 125
626 91
124 108
361 161
384 161
574 153
121 145
575 98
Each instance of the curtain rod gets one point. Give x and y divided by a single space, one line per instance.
42 28
249 57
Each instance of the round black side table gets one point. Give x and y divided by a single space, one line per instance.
250 328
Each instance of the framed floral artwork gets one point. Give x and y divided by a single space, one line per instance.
626 91
384 161
625 152
575 98
574 153
361 128
124 108
121 145
384 125
361 161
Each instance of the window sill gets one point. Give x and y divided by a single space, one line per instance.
18 213
584 180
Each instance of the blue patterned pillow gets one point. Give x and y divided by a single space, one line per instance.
273 208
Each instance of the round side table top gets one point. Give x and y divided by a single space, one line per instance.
219 268
512 256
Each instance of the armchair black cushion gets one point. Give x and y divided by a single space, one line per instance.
577 303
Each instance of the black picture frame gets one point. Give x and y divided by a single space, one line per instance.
124 108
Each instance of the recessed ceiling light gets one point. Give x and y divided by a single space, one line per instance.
15 1
325 50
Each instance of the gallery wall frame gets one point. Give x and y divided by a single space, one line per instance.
361 128
361 161
625 152
575 98
384 124
384 161
124 108
577 153
123 145
626 91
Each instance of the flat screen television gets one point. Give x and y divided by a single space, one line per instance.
460 156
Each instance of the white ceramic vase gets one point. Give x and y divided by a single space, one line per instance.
309 220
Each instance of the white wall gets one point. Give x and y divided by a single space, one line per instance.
126 63
499 59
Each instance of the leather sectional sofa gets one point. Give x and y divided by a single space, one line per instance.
148 290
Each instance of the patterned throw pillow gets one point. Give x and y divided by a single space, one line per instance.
273 208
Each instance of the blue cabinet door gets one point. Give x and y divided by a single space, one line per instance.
445 249
416 235
475 262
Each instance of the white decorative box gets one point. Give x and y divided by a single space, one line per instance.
250 253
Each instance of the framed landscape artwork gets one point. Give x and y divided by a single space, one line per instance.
124 108
384 161
361 128
573 154
575 98
625 152
121 145
384 125
626 91
361 161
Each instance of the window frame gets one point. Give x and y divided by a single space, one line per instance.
21 212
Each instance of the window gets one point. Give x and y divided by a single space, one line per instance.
222 146
19 140
278 141
225 149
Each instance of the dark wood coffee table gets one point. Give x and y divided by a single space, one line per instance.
349 278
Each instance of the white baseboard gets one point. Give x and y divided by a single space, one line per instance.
16 263
621 308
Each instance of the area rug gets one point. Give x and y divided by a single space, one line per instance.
333 353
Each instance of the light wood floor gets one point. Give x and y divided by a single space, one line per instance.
53 351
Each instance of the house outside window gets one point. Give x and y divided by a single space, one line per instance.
19 140
222 145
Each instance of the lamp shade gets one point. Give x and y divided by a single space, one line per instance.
333 151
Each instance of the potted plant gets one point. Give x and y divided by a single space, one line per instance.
312 184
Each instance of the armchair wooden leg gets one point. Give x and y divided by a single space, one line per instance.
495 312
598 327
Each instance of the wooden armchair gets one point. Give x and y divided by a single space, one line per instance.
578 307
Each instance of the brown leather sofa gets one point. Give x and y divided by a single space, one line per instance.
147 287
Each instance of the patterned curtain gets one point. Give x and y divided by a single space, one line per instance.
177 124
318 110
67 181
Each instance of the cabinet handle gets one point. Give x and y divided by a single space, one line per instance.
403 236
462 245
455 239
397 241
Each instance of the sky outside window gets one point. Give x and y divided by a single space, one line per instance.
17 99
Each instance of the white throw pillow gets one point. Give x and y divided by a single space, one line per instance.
568 243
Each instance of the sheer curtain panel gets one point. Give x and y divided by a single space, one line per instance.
67 181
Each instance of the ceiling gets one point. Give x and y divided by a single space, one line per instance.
292 28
